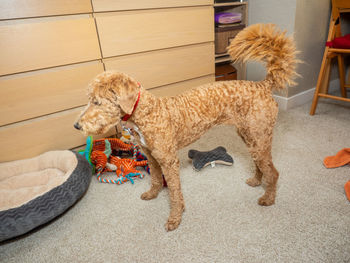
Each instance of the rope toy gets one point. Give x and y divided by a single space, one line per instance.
105 156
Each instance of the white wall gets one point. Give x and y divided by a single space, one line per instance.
279 12
311 31
308 20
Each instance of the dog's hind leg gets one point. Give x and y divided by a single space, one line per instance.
170 165
156 177
263 161
260 148
256 179
270 178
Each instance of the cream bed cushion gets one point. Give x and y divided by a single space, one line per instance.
24 180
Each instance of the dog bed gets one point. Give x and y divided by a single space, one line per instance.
34 191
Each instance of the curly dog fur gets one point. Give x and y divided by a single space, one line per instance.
180 120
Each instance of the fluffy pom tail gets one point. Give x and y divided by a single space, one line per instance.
267 43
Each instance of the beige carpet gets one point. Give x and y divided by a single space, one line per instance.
310 221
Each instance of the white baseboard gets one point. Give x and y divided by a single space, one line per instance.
296 100
302 97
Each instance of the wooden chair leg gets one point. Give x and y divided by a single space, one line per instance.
325 66
341 68
326 77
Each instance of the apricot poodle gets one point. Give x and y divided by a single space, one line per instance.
165 125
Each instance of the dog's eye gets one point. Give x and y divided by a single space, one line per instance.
95 102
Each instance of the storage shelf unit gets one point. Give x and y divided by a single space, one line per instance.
228 4
238 7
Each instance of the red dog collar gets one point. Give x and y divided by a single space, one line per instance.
127 116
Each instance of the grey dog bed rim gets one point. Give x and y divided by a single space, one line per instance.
38 211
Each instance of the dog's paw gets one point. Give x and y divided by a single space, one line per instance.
266 200
172 224
149 195
253 182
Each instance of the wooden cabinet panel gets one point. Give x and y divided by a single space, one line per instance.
162 67
179 87
25 47
118 5
137 31
10 9
33 138
40 93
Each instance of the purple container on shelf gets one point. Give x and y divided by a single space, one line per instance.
228 18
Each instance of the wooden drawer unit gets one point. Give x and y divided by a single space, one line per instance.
55 132
162 67
31 46
34 94
179 87
10 9
138 31
35 137
50 50
120 5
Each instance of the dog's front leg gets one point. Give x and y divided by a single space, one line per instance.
170 166
156 177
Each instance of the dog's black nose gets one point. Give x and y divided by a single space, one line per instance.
77 126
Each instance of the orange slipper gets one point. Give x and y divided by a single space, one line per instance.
347 189
340 159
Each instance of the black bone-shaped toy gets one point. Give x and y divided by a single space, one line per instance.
202 159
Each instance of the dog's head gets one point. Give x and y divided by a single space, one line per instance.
111 96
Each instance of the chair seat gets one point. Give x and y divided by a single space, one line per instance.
340 42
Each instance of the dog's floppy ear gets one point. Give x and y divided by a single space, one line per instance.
128 96
119 86
127 102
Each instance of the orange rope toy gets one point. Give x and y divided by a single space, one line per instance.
105 155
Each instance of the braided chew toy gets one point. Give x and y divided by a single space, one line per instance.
104 155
